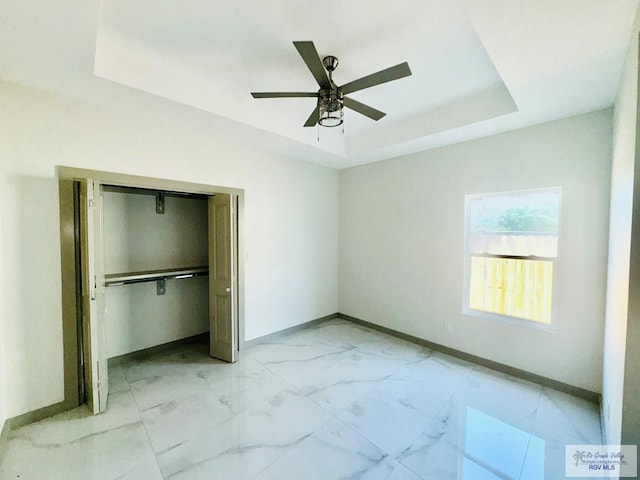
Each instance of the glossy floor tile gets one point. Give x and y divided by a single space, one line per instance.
336 401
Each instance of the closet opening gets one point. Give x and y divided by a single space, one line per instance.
154 262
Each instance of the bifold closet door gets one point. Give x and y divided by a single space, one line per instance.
223 334
93 300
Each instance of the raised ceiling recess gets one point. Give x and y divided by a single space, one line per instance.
478 66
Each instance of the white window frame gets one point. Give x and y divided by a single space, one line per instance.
498 317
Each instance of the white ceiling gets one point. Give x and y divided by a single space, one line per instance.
479 66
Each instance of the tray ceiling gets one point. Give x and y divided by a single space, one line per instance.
479 66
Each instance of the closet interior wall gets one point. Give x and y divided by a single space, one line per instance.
137 239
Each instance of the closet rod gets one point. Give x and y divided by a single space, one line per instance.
115 279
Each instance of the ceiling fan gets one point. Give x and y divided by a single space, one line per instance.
331 98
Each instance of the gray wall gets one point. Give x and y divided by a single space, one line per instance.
621 332
631 399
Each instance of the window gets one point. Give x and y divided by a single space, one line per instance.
511 252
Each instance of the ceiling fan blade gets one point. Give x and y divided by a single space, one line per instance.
283 94
365 110
383 76
313 118
310 56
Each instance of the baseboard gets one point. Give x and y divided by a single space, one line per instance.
51 410
4 435
272 337
603 424
147 352
204 338
500 367
48 411
37 415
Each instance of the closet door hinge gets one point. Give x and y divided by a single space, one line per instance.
98 383
94 287
160 202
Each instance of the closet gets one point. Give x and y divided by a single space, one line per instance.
156 266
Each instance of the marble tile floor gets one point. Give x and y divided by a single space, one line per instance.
337 401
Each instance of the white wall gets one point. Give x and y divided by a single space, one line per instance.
290 219
624 145
402 232
138 318
136 238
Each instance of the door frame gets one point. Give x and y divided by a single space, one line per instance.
67 177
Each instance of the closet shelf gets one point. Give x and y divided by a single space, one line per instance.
114 279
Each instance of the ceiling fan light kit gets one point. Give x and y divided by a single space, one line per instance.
330 105
331 98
